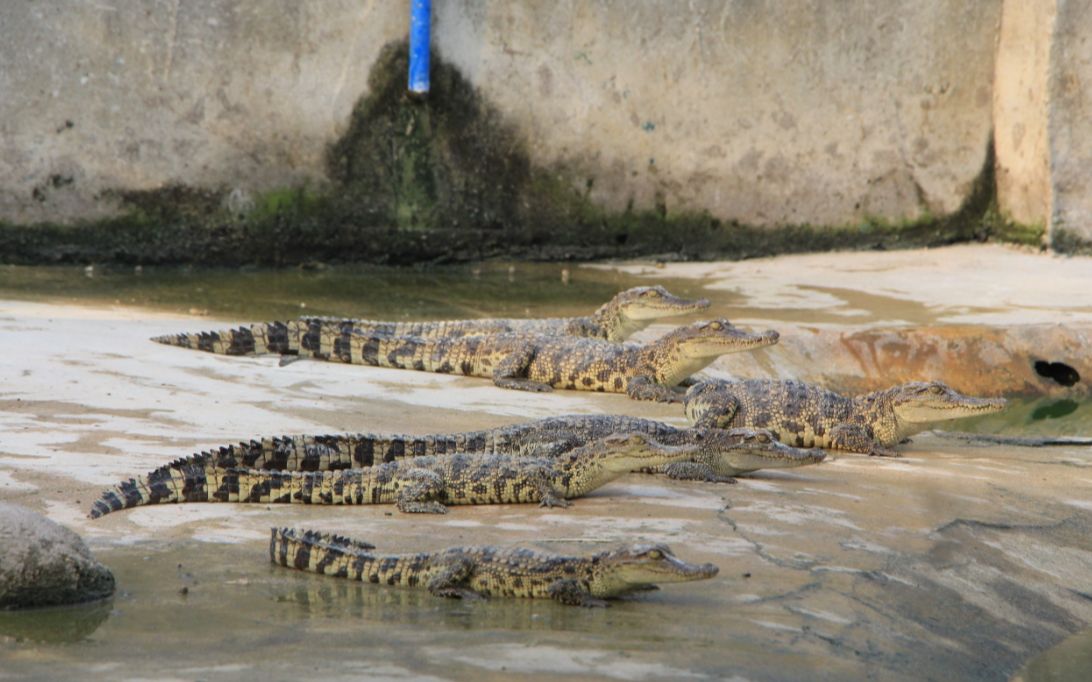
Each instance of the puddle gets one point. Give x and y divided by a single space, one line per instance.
231 615
1032 417
488 289
1070 661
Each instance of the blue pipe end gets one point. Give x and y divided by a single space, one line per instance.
420 18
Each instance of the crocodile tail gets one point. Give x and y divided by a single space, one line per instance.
336 452
284 453
309 550
207 483
184 481
282 338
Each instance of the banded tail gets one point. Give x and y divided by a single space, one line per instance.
206 483
323 338
327 553
349 451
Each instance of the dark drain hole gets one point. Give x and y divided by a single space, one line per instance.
1058 371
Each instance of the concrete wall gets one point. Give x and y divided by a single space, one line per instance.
1070 120
135 94
1020 96
767 113
1043 117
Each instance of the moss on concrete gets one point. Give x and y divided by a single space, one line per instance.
1069 242
446 179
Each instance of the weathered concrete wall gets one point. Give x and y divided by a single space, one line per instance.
135 94
765 113
1020 97
1070 120
1043 118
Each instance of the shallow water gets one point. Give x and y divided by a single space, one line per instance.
492 288
495 289
1033 418
196 610
1070 661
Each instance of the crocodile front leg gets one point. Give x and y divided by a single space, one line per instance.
419 496
511 372
548 497
695 471
448 582
572 593
645 388
858 439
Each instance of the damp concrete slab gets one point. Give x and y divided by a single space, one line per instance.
979 317
955 561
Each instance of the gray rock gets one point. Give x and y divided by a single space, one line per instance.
45 564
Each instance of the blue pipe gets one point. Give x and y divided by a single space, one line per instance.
420 14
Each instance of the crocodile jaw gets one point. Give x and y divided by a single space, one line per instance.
671 570
651 455
634 318
921 411
666 305
730 341
773 456
633 568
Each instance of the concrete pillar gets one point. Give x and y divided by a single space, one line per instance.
1070 120
1020 110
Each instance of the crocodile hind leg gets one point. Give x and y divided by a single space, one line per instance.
646 388
718 415
854 438
695 471
572 593
448 582
511 372
419 496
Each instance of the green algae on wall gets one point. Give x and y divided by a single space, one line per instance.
445 178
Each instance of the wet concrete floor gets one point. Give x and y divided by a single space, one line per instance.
956 561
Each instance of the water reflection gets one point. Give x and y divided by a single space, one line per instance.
55 624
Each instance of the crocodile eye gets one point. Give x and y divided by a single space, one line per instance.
714 325
763 438
935 389
655 554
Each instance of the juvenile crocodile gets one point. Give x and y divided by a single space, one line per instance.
809 416
327 338
422 484
719 455
536 362
477 572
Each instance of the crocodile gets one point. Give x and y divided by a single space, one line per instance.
719 455
327 338
480 572
422 484
808 416
536 362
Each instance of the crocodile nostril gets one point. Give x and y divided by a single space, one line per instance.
1058 371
